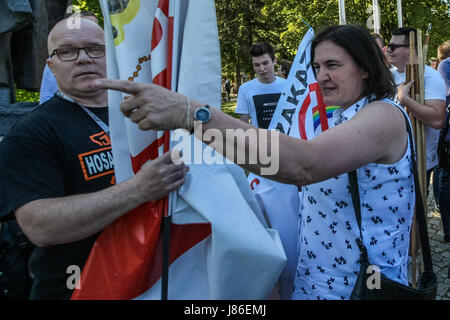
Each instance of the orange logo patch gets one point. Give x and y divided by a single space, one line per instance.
97 163
101 139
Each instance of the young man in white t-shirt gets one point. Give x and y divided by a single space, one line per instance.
432 112
258 98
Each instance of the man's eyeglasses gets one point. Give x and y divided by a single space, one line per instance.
71 54
393 46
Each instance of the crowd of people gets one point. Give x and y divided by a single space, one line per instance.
65 201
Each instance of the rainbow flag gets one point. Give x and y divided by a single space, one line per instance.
316 116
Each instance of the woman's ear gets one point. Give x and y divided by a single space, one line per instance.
365 75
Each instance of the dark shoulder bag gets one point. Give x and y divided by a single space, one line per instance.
444 147
390 289
15 251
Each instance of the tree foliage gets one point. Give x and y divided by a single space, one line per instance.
23 95
91 5
279 22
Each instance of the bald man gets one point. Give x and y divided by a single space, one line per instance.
57 169
48 83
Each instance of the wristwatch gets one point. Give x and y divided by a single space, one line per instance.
202 114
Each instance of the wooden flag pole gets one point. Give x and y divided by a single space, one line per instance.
421 94
418 133
422 141
422 56
416 73
426 42
413 120
408 78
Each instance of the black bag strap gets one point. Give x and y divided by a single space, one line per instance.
9 217
354 190
420 212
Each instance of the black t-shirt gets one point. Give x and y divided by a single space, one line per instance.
54 151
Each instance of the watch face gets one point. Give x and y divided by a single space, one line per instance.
202 114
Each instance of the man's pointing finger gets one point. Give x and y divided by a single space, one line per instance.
125 86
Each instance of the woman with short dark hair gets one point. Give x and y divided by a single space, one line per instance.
365 52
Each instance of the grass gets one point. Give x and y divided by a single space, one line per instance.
229 107
23 95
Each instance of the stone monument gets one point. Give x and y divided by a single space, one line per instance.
24 27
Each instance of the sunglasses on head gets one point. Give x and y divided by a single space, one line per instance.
393 46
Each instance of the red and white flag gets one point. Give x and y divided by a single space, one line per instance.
219 247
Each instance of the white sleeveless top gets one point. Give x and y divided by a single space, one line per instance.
328 265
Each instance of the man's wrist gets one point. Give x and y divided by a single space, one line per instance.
131 190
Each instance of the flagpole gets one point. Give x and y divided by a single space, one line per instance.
417 93
399 13
376 17
165 257
168 146
421 98
306 23
342 12
166 226
426 43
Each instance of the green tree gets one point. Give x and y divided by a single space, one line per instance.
242 23
319 13
91 5
279 22
23 95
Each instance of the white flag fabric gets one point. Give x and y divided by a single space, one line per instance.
220 247
241 259
280 204
300 113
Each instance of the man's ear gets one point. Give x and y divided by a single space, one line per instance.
50 64
275 61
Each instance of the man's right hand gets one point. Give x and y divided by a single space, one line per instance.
52 221
404 91
157 178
